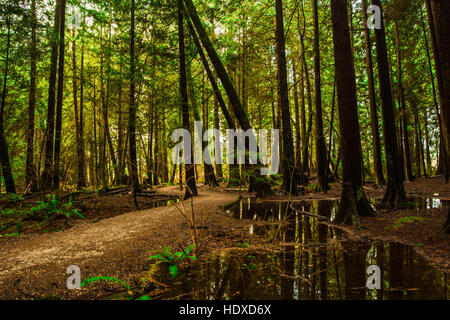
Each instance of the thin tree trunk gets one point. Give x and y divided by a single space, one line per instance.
402 103
30 174
320 151
132 108
377 162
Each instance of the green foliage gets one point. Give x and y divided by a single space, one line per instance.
173 259
93 280
404 220
243 244
51 207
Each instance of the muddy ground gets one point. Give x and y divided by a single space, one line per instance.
116 240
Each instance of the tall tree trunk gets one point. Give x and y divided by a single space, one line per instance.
4 155
402 103
353 200
59 100
47 174
377 162
440 10
191 187
132 108
30 174
81 162
319 136
80 181
298 151
395 192
289 184
306 132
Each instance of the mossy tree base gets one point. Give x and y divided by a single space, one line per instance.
353 206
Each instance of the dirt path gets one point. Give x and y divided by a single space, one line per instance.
35 265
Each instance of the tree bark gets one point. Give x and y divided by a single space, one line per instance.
30 174
59 100
4 155
319 136
289 184
257 183
354 203
441 20
47 174
191 187
402 103
395 192
132 108
374 126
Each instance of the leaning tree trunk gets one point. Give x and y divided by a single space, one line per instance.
377 162
289 184
395 192
210 177
354 203
4 155
321 161
191 187
257 183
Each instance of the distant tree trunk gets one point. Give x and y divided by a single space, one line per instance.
81 162
4 155
217 149
440 14
402 103
353 200
59 100
191 187
319 136
298 150
47 174
377 162
132 108
80 181
289 184
210 177
436 104
257 183
395 192
305 72
30 174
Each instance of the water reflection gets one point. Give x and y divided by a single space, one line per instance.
313 262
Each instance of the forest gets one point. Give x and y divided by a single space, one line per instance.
233 149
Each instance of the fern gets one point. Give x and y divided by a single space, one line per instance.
92 280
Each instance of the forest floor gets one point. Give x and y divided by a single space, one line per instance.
115 240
